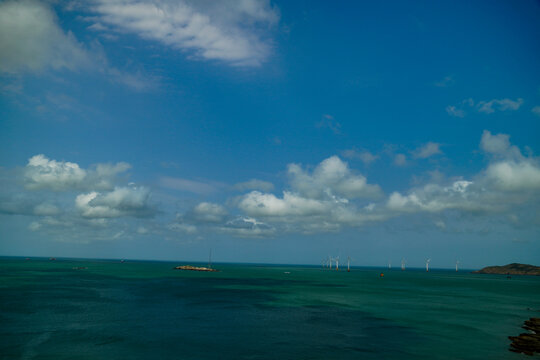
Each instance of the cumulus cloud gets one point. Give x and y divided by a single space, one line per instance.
510 180
206 212
324 199
233 32
254 184
44 173
258 204
31 40
499 145
331 178
121 202
427 150
512 175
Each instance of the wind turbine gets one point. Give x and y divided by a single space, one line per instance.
457 262
403 264
348 264
337 263
389 264
427 264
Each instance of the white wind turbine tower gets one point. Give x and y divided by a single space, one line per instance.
403 264
337 263
348 264
457 262
389 264
427 264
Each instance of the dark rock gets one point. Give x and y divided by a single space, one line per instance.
510 269
527 343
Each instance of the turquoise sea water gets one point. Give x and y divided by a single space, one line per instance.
146 310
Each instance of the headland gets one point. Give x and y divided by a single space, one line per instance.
510 269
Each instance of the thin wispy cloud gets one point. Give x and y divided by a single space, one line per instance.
37 44
328 121
485 107
236 33
446 81
427 150
365 156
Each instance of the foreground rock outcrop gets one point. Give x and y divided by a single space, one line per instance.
510 269
527 343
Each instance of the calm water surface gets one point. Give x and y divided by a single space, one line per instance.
146 310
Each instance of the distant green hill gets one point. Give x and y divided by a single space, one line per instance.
512 269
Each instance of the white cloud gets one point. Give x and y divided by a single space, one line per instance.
514 175
322 200
206 212
234 32
122 201
400 160
45 209
536 110
365 156
446 81
44 173
329 122
258 204
499 145
254 184
510 180
34 226
331 178
427 150
247 227
486 107
491 106
454 111
185 228
31 40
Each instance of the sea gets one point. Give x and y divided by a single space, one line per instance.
108 309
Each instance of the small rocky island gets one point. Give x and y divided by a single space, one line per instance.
527 343
194 268
510 269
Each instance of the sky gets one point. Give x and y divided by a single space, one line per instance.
271 131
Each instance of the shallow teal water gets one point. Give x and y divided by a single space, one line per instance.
141 310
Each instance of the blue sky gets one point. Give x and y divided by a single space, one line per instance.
278 132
